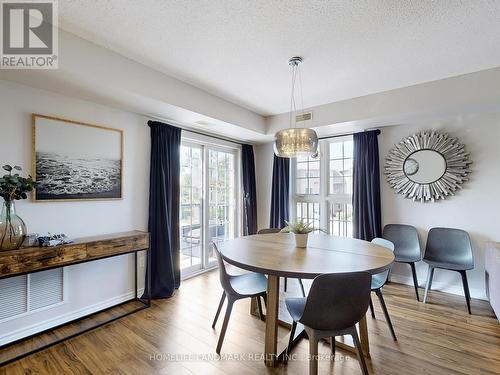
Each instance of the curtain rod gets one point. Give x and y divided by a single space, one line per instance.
346 134
214 136
184 128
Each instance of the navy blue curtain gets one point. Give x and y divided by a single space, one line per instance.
164 186
367 215
280 192
249 190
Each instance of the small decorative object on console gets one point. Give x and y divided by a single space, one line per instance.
54 240
31 240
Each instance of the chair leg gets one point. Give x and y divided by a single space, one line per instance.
466 289
259 305
285 285
386 313
430 274
290 340
359 351
302 287
264 298
224 325
371 308
332 345
313 352
219 309
415 280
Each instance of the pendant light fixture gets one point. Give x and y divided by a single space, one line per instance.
295 141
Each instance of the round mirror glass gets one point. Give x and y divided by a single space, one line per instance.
424 166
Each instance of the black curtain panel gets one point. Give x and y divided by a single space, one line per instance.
367 215
249 190
164 194
280 192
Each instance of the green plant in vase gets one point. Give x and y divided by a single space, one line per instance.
301 231
13 187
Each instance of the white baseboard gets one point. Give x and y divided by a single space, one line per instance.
443 287
64 318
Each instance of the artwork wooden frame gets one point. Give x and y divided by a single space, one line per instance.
76 169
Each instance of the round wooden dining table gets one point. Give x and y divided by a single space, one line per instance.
275 255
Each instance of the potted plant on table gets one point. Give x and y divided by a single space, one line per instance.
300 230
13 187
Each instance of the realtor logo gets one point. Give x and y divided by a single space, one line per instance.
29 37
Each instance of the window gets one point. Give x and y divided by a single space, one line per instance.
307 179
340 167
208 208
341 219
323 187
309 212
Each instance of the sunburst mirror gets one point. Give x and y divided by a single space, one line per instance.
427 166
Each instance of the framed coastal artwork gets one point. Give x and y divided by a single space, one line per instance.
76 161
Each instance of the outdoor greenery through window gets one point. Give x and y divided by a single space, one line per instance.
323 187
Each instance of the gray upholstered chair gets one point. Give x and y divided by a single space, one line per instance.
406 247
336 302
285 286
378 281
269 230
237 287
449 249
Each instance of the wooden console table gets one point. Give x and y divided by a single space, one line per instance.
35 259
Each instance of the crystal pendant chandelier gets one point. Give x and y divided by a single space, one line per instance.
295 141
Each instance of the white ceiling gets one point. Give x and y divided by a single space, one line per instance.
238 49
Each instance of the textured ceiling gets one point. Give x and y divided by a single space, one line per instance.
238 49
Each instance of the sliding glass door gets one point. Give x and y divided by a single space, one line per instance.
191 210
208 211
221 199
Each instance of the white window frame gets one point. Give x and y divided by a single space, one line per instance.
324 198
208 143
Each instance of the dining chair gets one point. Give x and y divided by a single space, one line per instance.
406 247
269 231
335 304
378 281
285 285
237 287
449 249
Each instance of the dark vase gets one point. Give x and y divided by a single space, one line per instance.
12 227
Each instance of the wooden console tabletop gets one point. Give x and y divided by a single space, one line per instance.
34 259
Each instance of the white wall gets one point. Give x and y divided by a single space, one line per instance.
465 94
474 209
95 284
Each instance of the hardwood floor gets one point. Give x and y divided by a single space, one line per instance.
175 337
